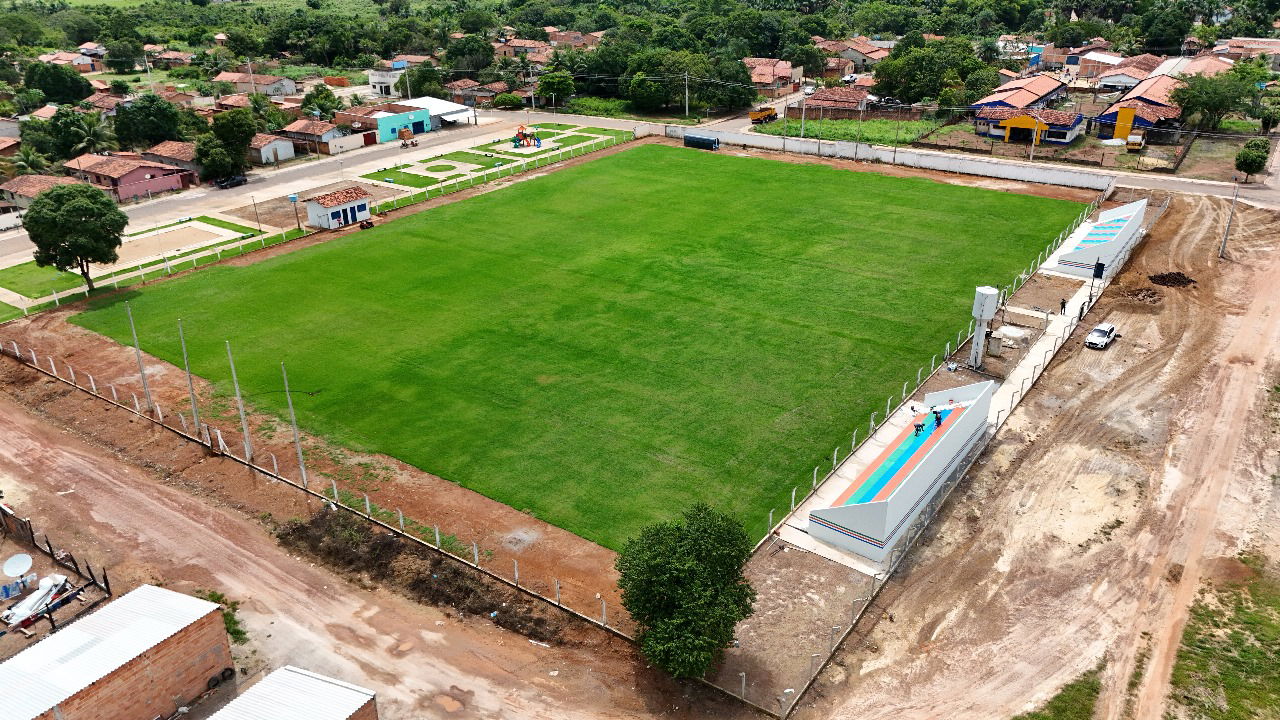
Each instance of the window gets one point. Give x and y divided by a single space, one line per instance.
362 207
335 214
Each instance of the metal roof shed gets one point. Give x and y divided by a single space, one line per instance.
69 661
292 693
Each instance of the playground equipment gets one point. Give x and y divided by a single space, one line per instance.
525 138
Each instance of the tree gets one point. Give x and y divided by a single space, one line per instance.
123 55
93 134
28 161
808 56
508 101
682 582
556 85
421 80
119 87
1164 27
73 226
1260 144
1270 118
149 120
1213 98
476 20
646 93
469 54
234 130
214 160
59 83
1250 162
242 44
29 99
321 102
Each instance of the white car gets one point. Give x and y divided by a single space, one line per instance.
848 78
1101 336
810 89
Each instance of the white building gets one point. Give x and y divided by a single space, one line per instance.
267 149
292 693
384 81
339 208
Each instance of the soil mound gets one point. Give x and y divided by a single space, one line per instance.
1171 279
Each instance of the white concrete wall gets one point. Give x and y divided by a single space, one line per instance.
946 162
343 144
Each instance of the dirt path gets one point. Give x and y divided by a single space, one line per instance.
422 661
1069 540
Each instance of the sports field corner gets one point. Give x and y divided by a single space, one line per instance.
608 343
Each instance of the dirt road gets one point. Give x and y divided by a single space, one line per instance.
1086 529
423 662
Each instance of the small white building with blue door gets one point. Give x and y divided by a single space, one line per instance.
339 208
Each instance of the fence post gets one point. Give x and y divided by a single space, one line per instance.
334 481
516 564
400 514
136 408
815 476
92 385
114 398
770 519
604 613
793 499
368 510
872 426
557 582
437 537
834 452
904 389
53 368
244 421
475 554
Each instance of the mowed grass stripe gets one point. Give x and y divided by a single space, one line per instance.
606 344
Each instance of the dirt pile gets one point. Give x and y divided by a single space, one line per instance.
349 544
1144 295
1171 279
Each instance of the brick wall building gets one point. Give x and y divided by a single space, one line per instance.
292 693
141 656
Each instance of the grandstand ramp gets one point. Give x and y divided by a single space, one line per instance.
872 515
1100 241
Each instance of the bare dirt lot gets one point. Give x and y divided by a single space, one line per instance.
1084 529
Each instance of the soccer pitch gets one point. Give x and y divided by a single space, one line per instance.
609 343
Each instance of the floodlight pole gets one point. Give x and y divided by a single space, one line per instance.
255 213
297 441
244 422
1222 249
142 371
191 386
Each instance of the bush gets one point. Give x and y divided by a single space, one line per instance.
1259 144
509 101
601 107
1250 161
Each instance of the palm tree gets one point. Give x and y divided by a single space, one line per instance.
92 134
29 162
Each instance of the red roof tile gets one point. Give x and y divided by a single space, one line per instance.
341 197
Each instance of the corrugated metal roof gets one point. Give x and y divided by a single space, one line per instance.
292 693
72 659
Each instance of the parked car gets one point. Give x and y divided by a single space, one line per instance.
1101 336
810 89
230 182
849 78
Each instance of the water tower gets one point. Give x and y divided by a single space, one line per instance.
985 302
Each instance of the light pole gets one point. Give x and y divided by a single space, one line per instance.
341 175
255 213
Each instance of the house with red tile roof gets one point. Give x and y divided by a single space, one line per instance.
22 189
773 77
1027 92
127 177
515 47
251 83
1034 125
1147 105
178 153
341 207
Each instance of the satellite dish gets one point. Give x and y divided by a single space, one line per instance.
17 566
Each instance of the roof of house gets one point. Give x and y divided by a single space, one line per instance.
1007 73
539 57
523 42
97 84
32 185
838 63
309 127
461 84
1271 45
152 47
62 57
104 101
220 36
834 47
767 70
236 77
113 166
174 55
864 81
1023 91
1050 117
1145 61
1104 57
180 150
1146 111
89 45
1155 89
498 87
8 142
238 100
1136 73
261 140
837 97
863 45
341 197
43 113
176 96
292 693
64 663
548 29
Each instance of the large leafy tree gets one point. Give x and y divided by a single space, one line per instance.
59 83
682 582
421 80
149 120
1250 161
1213 98
92 134
558 85
469 54
74 226
123 55
321 102
214 160
922 72
235 129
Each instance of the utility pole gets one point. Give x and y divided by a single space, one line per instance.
1222 249
253 85
137 349
686 94
803 107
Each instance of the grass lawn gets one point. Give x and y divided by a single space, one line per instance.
563 142
553 126
607 132
1213 158
1228 667
33 281
651 336
874 132
9 312
399 177
488 161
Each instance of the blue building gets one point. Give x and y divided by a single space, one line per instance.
387 121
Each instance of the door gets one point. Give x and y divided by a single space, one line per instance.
418 127
371 138
346 219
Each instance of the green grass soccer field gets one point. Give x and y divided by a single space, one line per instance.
604 345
